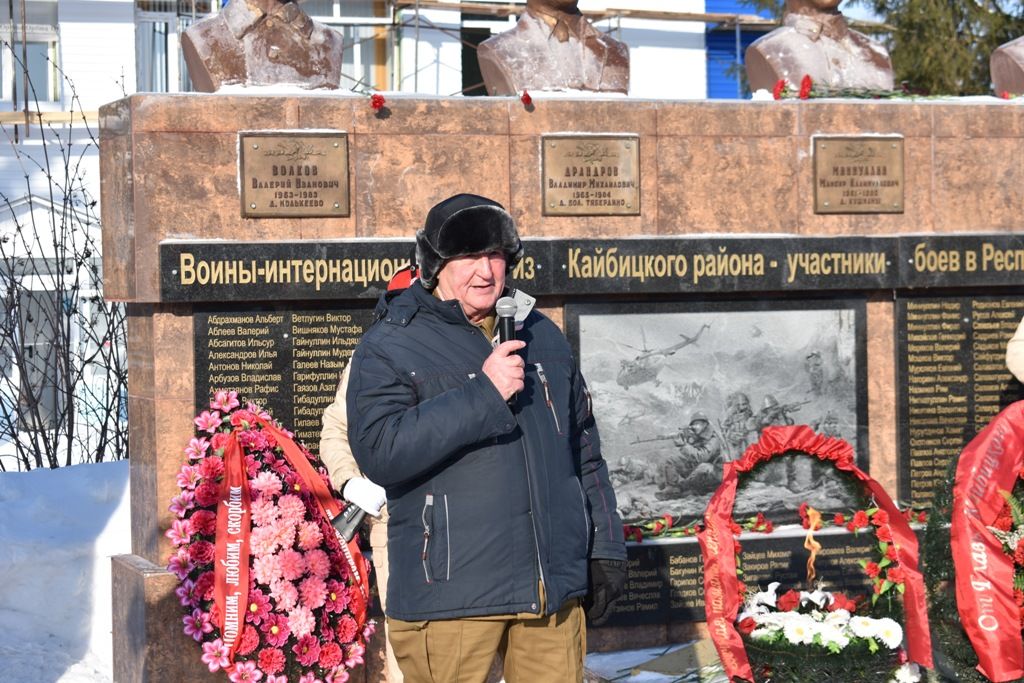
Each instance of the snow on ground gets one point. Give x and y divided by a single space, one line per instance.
58 530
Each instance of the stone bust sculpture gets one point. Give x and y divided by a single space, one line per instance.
1007 67
816 41
553 47
262 42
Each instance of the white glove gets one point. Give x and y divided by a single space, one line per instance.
364 493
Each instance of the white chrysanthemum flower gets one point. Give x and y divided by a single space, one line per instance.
800 631
833 634
763 633
864 627
889 632
839 618
908 673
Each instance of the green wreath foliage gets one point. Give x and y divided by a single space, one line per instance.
955 659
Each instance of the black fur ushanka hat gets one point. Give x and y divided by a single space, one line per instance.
463 225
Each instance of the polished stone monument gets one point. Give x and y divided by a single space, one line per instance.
553 47
815 40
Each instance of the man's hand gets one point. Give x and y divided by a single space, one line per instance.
506 369
364 493
606 580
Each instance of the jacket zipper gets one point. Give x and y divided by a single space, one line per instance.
427 505
586 515
448 535
533 522
547 397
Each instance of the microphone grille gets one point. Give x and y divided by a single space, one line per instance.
506 307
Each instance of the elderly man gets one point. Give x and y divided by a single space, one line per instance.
262 42
499 498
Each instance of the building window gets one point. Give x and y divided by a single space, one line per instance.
159 25
33 41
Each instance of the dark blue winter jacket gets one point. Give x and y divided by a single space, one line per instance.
486 503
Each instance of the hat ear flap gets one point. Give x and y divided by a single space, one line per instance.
428 260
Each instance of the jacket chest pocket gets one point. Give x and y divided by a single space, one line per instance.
436 554
434 381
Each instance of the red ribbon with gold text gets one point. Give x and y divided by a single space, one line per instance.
231 568
721 587
990 463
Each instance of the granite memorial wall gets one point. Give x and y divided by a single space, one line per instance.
865 283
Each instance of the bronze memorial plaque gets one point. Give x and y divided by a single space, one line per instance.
293 174
591 175
858 174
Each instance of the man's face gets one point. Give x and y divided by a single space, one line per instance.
475 281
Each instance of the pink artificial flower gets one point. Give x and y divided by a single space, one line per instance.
245 672
337 597
211 467
340 675
301 621
307 649
313 592
291 508
263 541
251 466
188 477
219 442
243 418
224 401
293 564
272 661
266 569
179 564
330 655
354 656
276 679
202 552
215 655
275 629
256 410
309 536
369 629
204 586
207 421
186 594
264 511
207 493
318 564
265 485
182 503
258 608
285 594
197 624
309 678
204 522
180 532
196 449
346 629
249 641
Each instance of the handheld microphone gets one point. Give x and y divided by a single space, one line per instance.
506 310
348 521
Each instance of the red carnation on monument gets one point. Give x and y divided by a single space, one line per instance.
377 101
805 87
779 89
526 99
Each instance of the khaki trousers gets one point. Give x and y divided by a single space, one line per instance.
379 544
535 650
